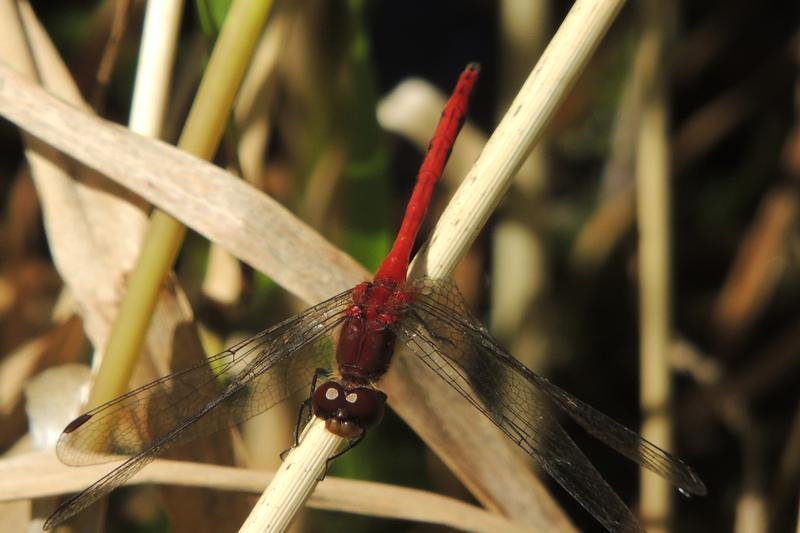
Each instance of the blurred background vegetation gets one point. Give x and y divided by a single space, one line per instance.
555 273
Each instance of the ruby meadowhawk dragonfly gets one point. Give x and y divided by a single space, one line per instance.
350 339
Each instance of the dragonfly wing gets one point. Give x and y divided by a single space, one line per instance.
246 380
442 331
438 295
620 438
533 430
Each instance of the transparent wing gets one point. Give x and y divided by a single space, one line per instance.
441 330
246 380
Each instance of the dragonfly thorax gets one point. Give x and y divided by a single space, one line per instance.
348 410
366 340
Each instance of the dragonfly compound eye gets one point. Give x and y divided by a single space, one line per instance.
328 400
365 406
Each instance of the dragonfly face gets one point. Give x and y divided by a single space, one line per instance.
348 411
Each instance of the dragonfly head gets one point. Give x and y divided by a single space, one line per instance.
348 411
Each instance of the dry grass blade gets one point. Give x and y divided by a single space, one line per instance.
44 475
203 196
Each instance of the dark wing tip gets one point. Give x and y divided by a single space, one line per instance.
78 422
57 518
695 487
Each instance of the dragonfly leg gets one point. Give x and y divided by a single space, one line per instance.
352 443
302 416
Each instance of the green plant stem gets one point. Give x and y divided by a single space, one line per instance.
200 136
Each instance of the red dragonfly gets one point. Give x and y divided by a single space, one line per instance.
354 333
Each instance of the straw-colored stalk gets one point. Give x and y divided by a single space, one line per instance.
653 204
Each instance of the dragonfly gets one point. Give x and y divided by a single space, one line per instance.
349 339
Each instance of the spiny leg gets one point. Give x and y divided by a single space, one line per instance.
303 420
352 443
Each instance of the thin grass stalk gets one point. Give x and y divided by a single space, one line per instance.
156 59
250 137
200 136
653 205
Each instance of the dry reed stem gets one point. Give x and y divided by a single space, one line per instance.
294 481
39 474
154 71
653 216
